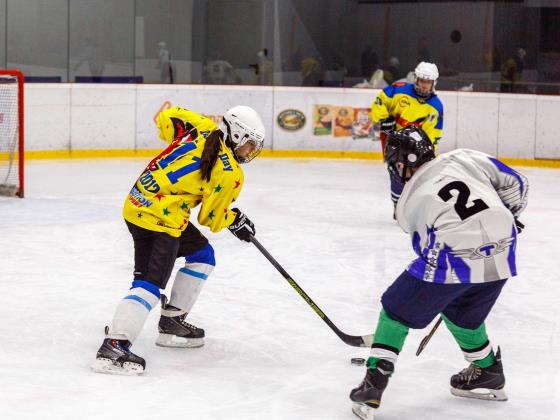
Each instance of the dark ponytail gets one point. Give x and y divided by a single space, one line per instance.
210 154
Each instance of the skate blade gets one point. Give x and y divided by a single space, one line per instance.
170 340
363 411
107 366
481 394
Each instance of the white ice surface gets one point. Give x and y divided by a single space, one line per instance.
66 261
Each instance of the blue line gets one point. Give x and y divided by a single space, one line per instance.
140 300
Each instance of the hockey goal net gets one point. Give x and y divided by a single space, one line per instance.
11 133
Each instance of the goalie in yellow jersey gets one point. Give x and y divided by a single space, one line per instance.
199 167
403 104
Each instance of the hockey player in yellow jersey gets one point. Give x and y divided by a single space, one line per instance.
176 122
402 104
201 166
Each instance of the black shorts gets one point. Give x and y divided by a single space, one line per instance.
155 252
415 302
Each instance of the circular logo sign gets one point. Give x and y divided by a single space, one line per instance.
291 119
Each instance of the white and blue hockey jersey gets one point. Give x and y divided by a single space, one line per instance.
459 210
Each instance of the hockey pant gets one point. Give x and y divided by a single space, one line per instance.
413 303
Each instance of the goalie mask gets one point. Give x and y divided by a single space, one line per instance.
425 79
408 149
242 125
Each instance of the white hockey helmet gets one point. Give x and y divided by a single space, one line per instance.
425 71
242 124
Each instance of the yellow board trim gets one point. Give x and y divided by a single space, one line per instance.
318 154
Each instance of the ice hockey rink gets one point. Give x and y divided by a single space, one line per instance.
67 260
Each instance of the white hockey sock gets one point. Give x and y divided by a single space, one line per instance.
131 314
187 286
477 354
382 353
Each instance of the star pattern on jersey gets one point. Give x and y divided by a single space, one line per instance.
185 205
201 189
166 212
237 184
159 196
139 215
218 188
211 215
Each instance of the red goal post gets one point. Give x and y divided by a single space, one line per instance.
11 133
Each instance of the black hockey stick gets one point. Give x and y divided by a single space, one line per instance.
425 340
351 340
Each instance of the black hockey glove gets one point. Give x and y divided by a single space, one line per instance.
520 226
387 125
242 227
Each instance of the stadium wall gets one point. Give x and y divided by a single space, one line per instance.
85 120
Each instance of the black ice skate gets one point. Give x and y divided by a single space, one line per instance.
481 383
367 396
174 331
114 356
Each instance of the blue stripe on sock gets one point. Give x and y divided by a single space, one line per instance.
146 285
193 273
140 300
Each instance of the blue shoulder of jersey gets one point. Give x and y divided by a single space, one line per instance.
436 104
400 87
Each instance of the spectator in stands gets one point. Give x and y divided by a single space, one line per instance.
393 72
369 62
512 71
92 56
311 72
165 64
422 50
263 68
219 72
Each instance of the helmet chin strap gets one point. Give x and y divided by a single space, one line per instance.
405 173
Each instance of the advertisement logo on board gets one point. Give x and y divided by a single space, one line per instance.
322 120
362 126
344 117
291 119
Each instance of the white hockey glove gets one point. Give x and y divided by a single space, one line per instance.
513 198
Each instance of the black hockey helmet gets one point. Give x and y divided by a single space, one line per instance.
409 146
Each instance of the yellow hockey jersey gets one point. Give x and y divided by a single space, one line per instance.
163 196
176 122
401 102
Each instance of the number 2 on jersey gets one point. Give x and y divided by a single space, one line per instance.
461 205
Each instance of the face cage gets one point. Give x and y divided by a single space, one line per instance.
253 154
419 92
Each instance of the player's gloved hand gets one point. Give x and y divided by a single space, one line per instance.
387 125
242 227
520 226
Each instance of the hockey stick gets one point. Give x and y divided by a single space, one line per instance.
425 340
351 340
